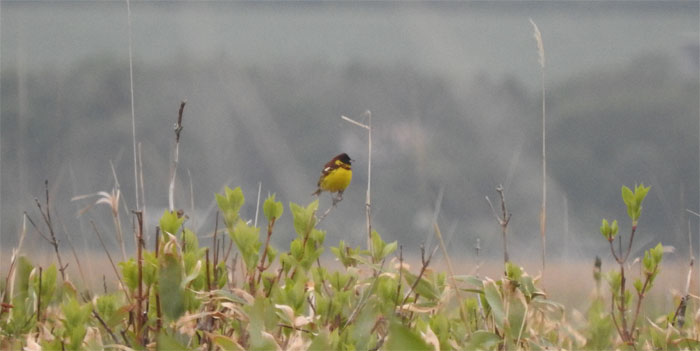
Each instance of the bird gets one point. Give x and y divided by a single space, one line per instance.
335 176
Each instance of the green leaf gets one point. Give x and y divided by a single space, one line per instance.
170 222
495 300
470 279
638 286
304 218
513 271
516 315
640 192
605 229
527 286
263 318
75 319
389 249
247 239
129 273
272 209
48 284
196 270
648 262
165 342
483 340
24 270
150 268
628 196
321 342
634 200
172 295
191 241
377 246
230 204
424 287
614 279
225 343
402 338
613 229
106 306
658 253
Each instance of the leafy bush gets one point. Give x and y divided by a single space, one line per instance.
193 298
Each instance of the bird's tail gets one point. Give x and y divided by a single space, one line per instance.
317 192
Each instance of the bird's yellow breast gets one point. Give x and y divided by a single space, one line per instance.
337 180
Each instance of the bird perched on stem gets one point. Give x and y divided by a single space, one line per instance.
336 176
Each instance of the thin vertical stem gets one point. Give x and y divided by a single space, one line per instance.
159 321
176 156
368 198
543 214
38 302
216 247
133 114
462 313
139 257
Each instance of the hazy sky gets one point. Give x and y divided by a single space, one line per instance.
452 38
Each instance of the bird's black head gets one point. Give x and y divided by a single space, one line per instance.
344 158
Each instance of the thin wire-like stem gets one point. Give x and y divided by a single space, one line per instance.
143 192
368 198
111 261
75 257
425 262
462 313
131 91
46 215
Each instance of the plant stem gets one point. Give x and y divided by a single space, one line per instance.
47 219
262 267
159 321
368 198
139 260
629 245
38 302
176 156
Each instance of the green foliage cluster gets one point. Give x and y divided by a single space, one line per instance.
179 297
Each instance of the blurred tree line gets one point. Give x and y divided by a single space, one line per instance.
278 125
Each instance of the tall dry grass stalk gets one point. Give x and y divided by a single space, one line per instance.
7 294
143 193
133 114
368 197
438 234
112 200
543 214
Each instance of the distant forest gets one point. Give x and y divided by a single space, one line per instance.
606 128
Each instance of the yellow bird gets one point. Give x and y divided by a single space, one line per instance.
336 175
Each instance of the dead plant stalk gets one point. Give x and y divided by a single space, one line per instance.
368 198
543 214
176 156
